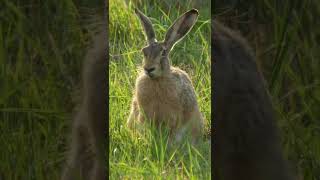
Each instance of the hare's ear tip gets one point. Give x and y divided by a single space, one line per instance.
194 11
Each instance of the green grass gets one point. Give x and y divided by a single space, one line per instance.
41 50
148 156
42 45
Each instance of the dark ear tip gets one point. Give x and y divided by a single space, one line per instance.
194 11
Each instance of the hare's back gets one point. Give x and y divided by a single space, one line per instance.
187 93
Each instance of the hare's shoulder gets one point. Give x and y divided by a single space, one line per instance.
180 75
187 91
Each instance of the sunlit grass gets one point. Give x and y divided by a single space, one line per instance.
148 156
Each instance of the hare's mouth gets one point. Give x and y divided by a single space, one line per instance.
151 75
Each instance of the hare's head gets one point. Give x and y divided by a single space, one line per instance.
156 61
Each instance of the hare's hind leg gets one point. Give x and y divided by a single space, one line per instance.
193 126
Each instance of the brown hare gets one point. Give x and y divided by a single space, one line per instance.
246 144
165 94
86 159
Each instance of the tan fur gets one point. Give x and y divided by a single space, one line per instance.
170 99
165 94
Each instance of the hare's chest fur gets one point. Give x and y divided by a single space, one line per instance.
166 97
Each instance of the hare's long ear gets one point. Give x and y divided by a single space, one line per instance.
147 26
180 28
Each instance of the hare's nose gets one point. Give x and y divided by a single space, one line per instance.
149 70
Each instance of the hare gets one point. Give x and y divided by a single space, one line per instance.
165 94
246 144
86 159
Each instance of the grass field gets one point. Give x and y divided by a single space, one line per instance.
41 51
42 45
148 157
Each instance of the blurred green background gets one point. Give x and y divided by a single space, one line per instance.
42 44
286 36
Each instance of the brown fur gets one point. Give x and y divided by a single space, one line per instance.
166 99
246 144
168 96
86 159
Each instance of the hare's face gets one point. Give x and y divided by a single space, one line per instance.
153 55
